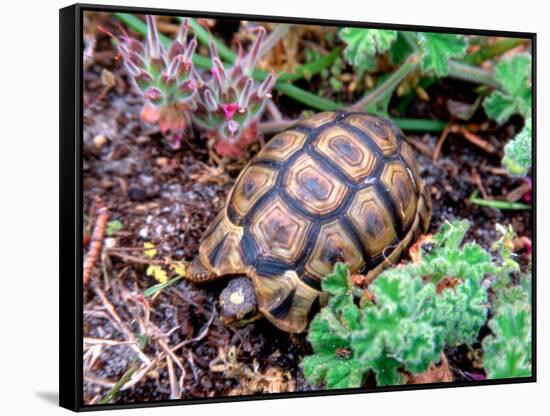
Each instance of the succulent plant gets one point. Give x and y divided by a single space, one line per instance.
230 102
163 76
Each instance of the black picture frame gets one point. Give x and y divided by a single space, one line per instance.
71 215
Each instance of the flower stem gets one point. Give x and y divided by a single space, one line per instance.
493 203
420 124
388 85
471 73
204 37
407 124
492 51
308 98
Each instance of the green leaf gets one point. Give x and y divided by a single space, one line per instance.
345 374
438 48
157 288
400 49
518 152
326 334
114 226
407 325
500 107
337 372
387 371
514 76
508 350
364 44
337 283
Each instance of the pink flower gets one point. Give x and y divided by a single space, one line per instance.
229 110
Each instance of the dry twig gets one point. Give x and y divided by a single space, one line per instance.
471 137
95 243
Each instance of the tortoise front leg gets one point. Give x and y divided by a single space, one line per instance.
197 273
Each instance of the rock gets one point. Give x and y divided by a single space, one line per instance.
143 139
137 194
100 140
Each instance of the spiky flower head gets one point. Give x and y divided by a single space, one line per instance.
230 103
162 75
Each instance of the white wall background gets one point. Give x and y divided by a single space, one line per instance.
29 206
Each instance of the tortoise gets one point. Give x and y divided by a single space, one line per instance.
336 187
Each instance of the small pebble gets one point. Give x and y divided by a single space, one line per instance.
162 161
146 180
143 139
100 140
137 194
144 232
110 242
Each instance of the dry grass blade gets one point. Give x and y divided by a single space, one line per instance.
175 392
117 323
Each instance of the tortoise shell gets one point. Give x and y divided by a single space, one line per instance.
336 187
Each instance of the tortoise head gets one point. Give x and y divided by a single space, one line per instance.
238 303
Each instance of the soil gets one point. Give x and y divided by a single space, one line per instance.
169 197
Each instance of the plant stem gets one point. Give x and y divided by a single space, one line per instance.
493 203
407 124
308 98
273 38
471 73
276 126
203 35
420 124
119 384
310 69
492 51
388 85
411 40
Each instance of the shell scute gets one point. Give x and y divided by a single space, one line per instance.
313 187
282 146
378 130
279 231
373 221
348 152
398 181
255 182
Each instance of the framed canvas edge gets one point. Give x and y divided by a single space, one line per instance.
70 200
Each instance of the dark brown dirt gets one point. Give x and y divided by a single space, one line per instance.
168 198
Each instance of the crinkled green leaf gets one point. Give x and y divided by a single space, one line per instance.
400 49
438 48
462 311
518 152
345 374
399 324
408 324
336 372
500 107
326 334
508 350
364 44
387 371
337 283
514 76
